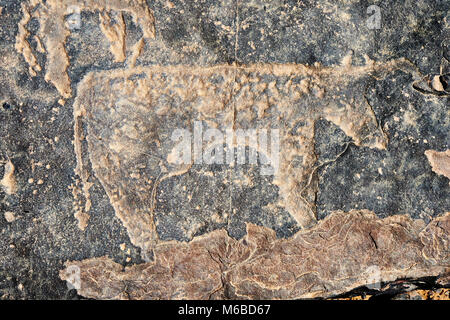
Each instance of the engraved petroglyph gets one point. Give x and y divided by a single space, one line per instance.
54 31
130 114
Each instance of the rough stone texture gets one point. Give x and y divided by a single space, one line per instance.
86 177
261 266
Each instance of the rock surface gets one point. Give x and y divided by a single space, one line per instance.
91 93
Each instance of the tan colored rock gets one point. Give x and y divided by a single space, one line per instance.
440 161
8 182
51 16
344 251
